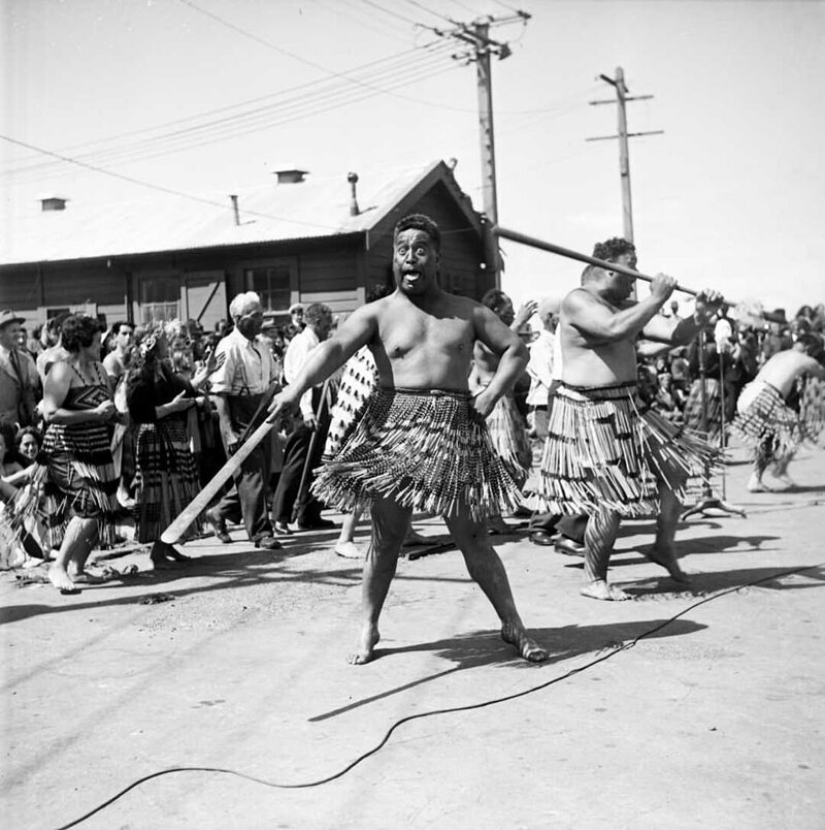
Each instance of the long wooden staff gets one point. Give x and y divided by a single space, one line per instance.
533 242
202 500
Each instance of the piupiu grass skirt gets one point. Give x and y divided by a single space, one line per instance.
705 419
766 424
166 477
426 450
509 438
601 452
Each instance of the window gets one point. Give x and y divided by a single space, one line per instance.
272 283
159 299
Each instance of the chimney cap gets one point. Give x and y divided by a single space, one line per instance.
51 201
289 174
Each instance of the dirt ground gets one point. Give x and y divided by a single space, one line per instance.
218 696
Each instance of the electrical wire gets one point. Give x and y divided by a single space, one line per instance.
380 64
329 95
159 187
430 11
390 12
618 649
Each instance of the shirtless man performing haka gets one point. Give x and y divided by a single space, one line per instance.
422 443
602 456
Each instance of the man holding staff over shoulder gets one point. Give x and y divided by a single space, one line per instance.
603 456
422 443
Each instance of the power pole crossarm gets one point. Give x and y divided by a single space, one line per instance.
622 98
482 47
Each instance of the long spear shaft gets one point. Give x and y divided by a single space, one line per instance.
533 242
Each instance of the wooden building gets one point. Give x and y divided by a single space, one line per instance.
300 238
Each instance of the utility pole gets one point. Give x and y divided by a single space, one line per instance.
482 46
624 155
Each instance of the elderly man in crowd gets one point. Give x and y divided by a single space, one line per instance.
19 382
246 370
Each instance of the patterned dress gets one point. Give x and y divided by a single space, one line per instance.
166 473
74 474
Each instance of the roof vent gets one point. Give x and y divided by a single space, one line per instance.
290 175
53 203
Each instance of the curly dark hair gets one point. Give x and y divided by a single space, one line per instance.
611 249
78 332
420 222
495 299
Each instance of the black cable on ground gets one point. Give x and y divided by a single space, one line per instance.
494 701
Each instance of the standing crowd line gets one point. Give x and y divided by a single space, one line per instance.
420 402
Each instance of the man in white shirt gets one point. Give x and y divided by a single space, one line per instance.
305 445
238 386
540 367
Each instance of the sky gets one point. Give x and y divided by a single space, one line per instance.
104 100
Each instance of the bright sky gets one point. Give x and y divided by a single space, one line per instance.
731 196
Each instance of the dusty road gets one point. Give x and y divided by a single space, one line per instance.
699 708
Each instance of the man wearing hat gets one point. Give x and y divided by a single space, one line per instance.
296 315
19 383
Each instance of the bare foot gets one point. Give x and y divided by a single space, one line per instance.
667 560
366 646
756 485
61 580
601 589
527 647
85 578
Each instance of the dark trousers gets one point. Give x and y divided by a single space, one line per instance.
289 504
572 527
249 498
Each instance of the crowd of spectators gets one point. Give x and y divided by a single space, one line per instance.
718 365
26 361
689 385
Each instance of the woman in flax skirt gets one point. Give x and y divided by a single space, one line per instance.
166 473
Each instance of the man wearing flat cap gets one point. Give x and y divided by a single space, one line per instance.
19 382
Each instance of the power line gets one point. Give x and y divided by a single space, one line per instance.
390 12
328 95
429 11
152 186
377 63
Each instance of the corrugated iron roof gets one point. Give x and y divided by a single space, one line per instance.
316 207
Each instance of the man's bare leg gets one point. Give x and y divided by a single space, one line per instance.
80 534
760 464
780 470
664 551
599 539
389 526
485 568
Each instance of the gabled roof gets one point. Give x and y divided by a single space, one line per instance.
314 208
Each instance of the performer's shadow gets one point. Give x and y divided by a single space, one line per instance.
703 585
486 648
